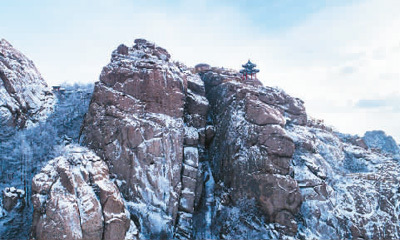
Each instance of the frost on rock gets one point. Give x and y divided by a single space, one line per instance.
379 141
348 191
210 156
25 98
145 120
74 198
249 157
13 198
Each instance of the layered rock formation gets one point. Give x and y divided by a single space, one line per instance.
200 153
74 198
250 153
349 191
24 96
13 197
151 121
378 140
144 120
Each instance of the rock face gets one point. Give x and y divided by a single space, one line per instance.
378 140
74 198
150 119
24 95
250 153
144 120
201 153
12 197
349 192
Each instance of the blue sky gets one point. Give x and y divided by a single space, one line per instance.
341 56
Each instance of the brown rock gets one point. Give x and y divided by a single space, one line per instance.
26 99
78 200
122 49
262 114
276 141
202 67
292 108
209 134
277 193
144 112
11 197
250 152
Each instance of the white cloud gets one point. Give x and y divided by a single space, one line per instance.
342 55
334 59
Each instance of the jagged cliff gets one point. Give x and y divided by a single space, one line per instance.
24 96
250 154
144 121
349 190
74 198
200 153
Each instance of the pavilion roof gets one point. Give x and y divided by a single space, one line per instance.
249 68
249 64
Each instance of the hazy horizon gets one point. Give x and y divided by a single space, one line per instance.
341 57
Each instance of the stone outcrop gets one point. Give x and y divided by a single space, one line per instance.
74 198
146 120
378 140
13 197
151 121
250 153
349 191
24 96
201 153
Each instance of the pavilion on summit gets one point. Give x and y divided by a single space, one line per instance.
249 70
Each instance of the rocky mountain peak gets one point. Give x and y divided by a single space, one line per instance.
139 106
5 43
166 132
143 50
378 140
203 153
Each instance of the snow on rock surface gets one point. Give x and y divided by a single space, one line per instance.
24 96
13 197
74 198
145 121
349 192
212 156
250 152
378 140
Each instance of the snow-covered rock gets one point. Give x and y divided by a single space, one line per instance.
24 96
378 140
210 155
74 198
349 192
145 121
250 152
12 197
